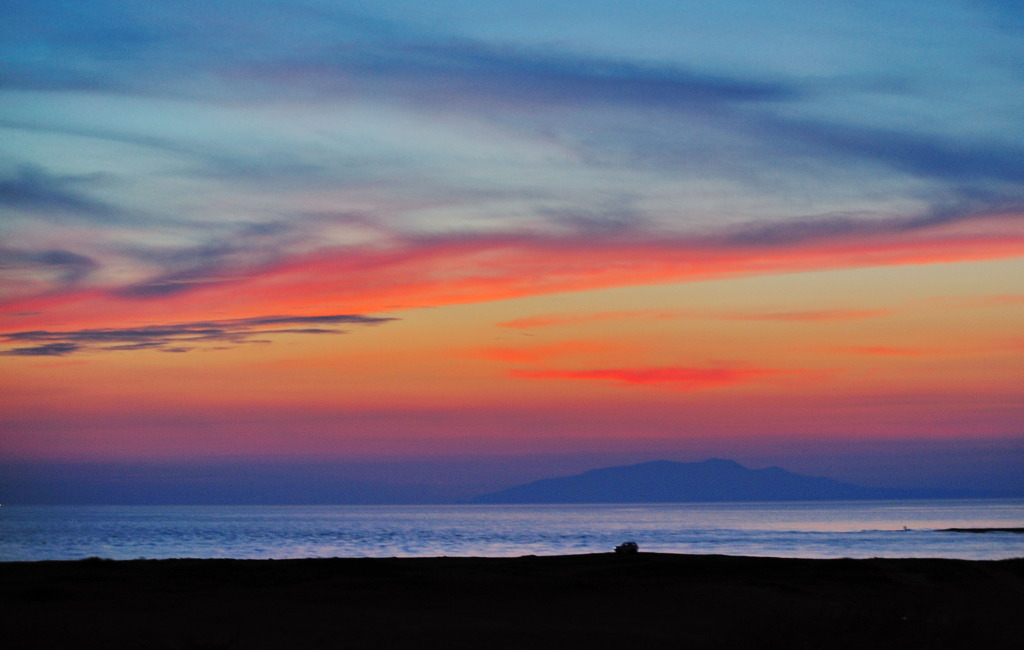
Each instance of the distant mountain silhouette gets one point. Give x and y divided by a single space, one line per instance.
663 481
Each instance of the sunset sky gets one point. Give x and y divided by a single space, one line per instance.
457 245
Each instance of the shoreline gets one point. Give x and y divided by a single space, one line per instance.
980 530
594 600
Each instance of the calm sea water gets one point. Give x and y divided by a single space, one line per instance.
812 530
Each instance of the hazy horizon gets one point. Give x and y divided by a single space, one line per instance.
292 481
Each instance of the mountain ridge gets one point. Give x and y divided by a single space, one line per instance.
711 480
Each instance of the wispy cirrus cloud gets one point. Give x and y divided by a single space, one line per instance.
419 271
362 59
175 337
850 227
681 378
484 267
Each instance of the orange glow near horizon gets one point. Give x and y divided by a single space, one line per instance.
866 352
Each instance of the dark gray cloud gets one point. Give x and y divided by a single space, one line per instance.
230 252
176 337
70 267
796 231
174 283
233 252
467 72
104 49
919 154
44 350
619 216
167 53
34 189
835 226
337 319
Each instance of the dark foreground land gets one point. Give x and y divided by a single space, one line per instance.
644 600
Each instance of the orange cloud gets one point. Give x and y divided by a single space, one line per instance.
675 377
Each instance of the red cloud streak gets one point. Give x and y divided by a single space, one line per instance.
537 353
684 378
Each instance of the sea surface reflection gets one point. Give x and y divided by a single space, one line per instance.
814 530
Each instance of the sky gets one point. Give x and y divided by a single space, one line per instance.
427 249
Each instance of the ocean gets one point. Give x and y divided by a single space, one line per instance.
852 529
